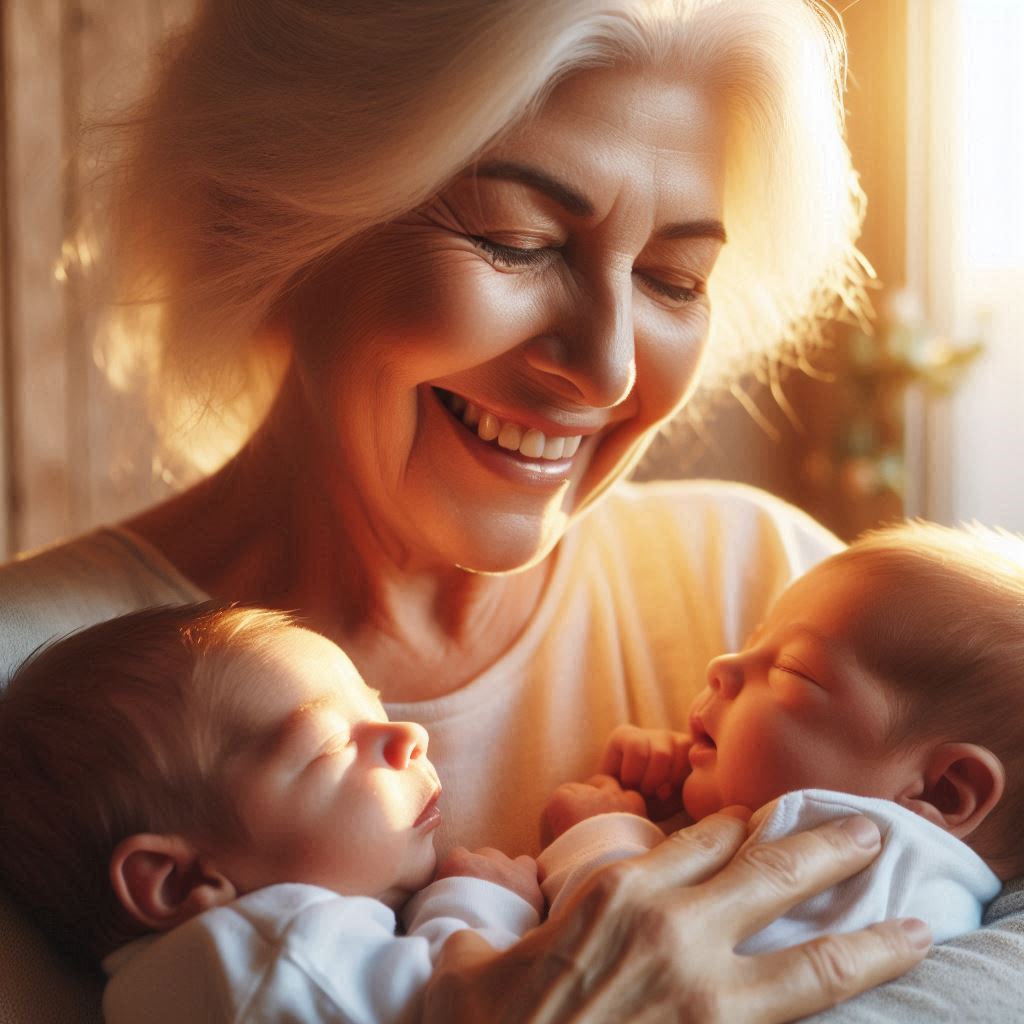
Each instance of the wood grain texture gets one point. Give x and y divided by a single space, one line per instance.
41 502
73 452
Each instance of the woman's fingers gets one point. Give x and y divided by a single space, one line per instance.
819 974
694 854
653 938
766 879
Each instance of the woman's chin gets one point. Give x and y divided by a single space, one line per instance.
500 550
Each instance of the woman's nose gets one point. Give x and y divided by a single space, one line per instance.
395 743
725 676
591 356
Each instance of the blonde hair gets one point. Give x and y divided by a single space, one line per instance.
119 729
945 631
275 131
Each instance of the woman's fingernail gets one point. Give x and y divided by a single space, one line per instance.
863 831
737 811
918 932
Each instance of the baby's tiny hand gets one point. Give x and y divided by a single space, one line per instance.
653 761
519 875
572 802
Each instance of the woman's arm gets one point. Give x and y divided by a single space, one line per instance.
976 977
652 939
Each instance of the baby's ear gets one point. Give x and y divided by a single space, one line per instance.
961 783
164 880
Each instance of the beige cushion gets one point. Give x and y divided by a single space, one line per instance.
36 986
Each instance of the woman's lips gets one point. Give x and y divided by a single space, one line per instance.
514 438
510 466
430 816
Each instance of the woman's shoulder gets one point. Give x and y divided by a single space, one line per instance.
707 554
75 583
715 521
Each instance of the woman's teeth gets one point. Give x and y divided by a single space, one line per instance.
528 441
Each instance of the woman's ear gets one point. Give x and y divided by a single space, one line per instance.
961 783
162 881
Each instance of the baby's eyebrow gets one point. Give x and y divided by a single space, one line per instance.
799 629
311 705
280 734
754 635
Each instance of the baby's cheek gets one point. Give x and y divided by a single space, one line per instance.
700 795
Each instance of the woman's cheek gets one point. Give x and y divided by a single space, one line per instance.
462 313
670 346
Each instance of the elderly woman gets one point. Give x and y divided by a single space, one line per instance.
416 284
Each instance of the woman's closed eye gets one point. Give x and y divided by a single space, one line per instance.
676 294
513 255
509 256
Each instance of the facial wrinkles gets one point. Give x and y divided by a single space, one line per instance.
429 312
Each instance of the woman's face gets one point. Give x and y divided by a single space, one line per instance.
483 367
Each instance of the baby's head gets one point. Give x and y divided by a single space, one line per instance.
169 760
894 669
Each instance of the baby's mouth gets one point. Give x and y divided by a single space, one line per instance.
528 442
699 734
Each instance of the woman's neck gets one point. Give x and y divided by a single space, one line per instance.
283 532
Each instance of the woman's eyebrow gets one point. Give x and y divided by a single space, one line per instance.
568 198
579 206
707 228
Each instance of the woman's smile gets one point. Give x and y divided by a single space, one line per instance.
515 438
506 447
478 404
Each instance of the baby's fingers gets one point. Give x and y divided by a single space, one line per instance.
658 770
668 762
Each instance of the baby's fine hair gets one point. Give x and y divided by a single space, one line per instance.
117 729
946 633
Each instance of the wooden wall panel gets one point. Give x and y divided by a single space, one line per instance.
5 327
41 500
72 452
107 58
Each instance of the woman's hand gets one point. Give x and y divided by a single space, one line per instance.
651 939
572 802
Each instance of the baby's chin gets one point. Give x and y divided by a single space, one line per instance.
401 892
700 800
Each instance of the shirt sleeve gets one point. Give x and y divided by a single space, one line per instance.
496 914
922 871
299 953
577 853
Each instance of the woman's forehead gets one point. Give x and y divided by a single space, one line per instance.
611 133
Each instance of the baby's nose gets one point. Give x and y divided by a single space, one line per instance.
725 676
396 743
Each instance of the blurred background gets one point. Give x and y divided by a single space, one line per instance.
923 414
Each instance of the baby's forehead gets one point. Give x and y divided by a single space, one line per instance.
296 670
837 600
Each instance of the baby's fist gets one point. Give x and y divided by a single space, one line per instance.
572 802
653 761
519 875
